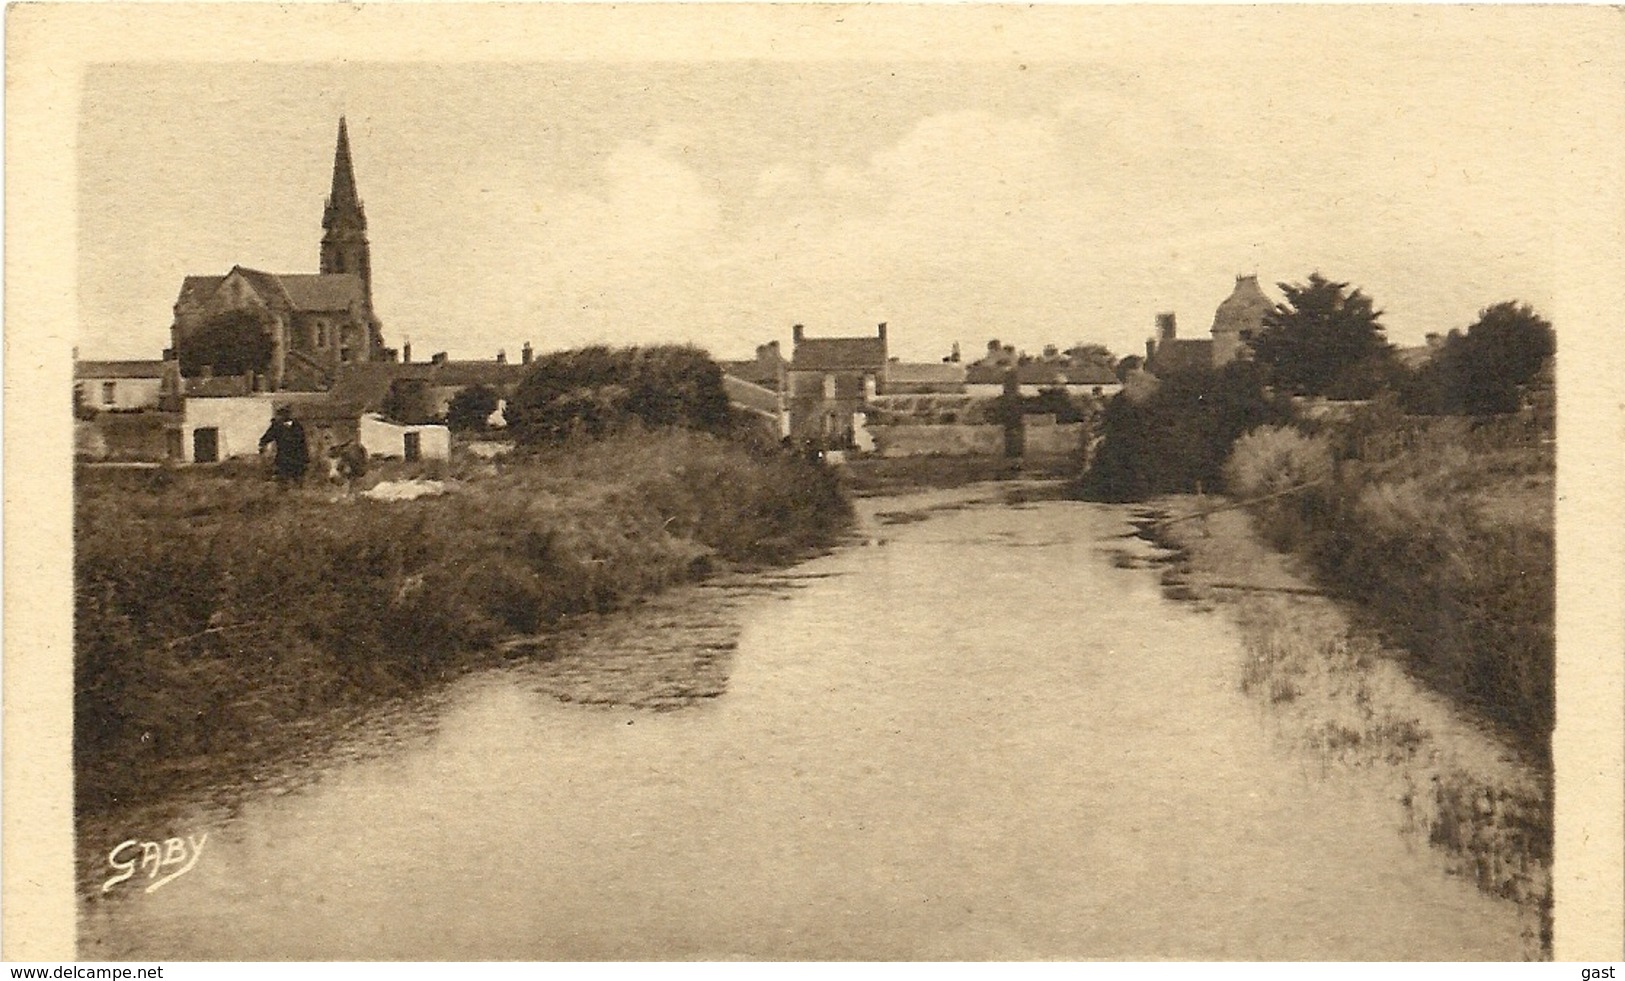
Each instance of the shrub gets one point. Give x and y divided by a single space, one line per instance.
1271 459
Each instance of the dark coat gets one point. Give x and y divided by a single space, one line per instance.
292 455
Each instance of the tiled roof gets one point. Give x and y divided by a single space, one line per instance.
322 291
1091 374
839 354
494 373
304 292
1181 355
118 369
365 384
925 373
195 288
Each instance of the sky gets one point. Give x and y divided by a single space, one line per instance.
718 202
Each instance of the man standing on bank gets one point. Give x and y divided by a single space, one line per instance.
291 454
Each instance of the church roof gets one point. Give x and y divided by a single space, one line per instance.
301 292
322 291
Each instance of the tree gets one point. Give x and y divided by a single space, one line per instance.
1083 354
471 406
1323 340
410 402
595 390
229 343
1485 370
1179 434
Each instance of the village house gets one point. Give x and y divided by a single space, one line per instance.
830 381
117 386
1238 316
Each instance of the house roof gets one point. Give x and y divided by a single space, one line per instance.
365 383
754 371
497 374
925 373
118 369
1091 374
839 354
1181 355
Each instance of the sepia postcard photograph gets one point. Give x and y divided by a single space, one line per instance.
814 483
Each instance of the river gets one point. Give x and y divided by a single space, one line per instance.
970 734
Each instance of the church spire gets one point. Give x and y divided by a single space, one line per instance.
343 195
344 221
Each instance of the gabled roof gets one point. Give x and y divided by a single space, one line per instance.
1181 355
497 374
301 292
365 383
925 373
118 369
839 354
1091 374
314 292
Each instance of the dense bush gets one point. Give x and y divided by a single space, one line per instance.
594 391
1324 340
1179 434
1272 459
471 407
209 613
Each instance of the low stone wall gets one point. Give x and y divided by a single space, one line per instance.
944 440
1066 437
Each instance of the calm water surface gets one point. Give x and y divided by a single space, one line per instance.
971 737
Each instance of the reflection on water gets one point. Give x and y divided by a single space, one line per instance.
967 737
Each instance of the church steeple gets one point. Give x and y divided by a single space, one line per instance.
344 221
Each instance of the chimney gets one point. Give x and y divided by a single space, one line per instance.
406 352
439 357
1150 349
1166 326
993 346
1435 340
953 356
502 356
797 332
882 330
774 347
526 353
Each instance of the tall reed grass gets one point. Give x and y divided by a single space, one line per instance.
211 610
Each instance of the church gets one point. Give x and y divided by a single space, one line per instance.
289 331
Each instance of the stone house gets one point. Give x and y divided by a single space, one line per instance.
830 381
1237 317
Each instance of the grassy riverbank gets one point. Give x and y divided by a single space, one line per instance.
1337 693
213 611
